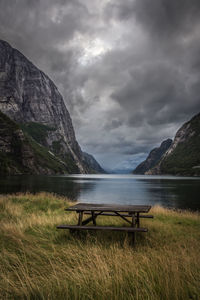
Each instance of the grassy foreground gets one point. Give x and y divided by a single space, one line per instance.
39 262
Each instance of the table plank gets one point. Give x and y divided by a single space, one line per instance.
111 214
112 228
109 207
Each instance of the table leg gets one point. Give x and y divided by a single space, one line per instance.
93 218
138 220
133 225
80 218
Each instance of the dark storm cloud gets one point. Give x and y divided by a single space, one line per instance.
129 70
162 17
41 28
163 86
157 90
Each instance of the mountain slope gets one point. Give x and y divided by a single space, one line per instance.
183 156
19 153
92 163
153 158
30 98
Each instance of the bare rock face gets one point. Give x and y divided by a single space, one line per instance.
153 158
27 95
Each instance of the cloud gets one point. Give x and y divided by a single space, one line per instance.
129 71
162 18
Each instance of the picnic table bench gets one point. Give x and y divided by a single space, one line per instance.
114 210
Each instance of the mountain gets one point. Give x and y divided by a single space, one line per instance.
183 156
92 163
153 158
31 99
120 171
19 153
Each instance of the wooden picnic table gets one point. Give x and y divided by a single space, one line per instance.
135 212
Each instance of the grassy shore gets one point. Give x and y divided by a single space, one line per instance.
39 262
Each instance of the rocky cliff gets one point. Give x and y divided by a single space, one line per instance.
183 156
153 158
30 98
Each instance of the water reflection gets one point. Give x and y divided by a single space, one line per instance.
168 191
53 184
178 193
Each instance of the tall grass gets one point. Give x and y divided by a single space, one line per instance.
39 262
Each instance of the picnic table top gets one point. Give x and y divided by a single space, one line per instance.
109 207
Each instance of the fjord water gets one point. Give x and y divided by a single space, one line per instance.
168 191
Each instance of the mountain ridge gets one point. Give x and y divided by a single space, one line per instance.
183 156
153 158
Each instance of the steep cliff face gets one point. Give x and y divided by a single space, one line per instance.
183 156
20 154
153 158
30 98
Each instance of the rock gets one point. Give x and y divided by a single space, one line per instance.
153 158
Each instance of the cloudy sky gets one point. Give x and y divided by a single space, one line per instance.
129 70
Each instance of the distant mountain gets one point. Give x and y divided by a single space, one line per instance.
119 171
153 158
31 99
183 156
19 153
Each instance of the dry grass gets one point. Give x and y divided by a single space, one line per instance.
39 262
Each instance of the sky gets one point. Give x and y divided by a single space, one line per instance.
128 70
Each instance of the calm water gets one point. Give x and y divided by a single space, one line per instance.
169 191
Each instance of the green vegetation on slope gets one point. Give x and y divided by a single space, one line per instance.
46 159
57 147
39 262
8 129
8 164
11 125
185 159
22 153
70 164
37 131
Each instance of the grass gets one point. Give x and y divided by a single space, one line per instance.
39 262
